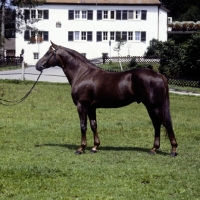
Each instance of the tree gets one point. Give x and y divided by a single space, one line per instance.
117 48
9 11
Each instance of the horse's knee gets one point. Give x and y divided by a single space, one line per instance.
83 128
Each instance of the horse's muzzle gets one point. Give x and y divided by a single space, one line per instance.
40 68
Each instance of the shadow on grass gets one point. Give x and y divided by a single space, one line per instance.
104 148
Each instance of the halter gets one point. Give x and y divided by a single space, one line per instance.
52 53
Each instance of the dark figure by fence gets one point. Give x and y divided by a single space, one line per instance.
94 88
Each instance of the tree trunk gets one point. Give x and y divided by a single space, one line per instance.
2 36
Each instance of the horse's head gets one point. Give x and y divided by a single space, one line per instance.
49 59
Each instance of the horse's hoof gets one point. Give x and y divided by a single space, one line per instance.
173 154
151 152
78 152
93 151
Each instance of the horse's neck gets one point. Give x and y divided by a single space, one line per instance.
73 73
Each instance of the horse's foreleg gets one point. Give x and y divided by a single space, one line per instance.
93 125
82 111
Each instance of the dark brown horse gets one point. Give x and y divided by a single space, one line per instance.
94 88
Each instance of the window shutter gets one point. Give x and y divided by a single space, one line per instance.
89 36
99 14
90 15
124 14
118 14
71 15
143 36
45 35
118 36
26 35
99 36
26 15
144 15
124 36
70 36
46 14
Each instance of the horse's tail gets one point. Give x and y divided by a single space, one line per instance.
166 121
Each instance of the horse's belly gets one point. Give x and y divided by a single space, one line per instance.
113 103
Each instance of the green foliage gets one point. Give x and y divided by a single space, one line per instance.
38 139
177 60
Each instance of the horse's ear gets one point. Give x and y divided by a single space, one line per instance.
54 45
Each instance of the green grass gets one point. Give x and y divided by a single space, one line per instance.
5 68
38 139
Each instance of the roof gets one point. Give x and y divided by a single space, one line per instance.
135 2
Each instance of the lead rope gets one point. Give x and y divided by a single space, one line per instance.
15 102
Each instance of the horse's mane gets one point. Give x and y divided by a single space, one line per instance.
76 55
83 59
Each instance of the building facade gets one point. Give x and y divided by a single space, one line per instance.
92 28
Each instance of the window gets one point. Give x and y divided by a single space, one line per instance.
35 56
130 14
112 35
45 35
26 35
124 36
144 15
33 14
46 14
83 35
76 35
118 36
84 14
105 35
137 14
124 14
143 36
140 36
80 14
105 14
130 35
39 13
77 14
99 14
112 14
70 36
118 14
99 36
137 35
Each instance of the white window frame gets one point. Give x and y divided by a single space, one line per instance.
130 36
33 14
84 35
76 35
112 35
77 14
137 37
114 14
35 55
137 15
84 14
132 12
39 14
105 36
105 14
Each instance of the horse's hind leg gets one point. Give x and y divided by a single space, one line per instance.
82 111
156 117
93 125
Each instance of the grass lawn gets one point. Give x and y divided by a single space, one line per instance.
38 139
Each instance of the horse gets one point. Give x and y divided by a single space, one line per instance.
93 88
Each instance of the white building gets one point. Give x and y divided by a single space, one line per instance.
92 27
